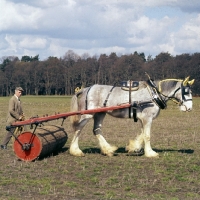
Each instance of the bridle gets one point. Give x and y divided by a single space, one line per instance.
160 99
184 91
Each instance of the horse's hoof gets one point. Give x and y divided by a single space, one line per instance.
134 147
110 151
109 154
152 155
77 153
136 152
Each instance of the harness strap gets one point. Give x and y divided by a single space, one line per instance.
130 83
174 99
134 107
105 102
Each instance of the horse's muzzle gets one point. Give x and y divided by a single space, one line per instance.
184 108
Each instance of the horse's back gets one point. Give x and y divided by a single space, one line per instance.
108 95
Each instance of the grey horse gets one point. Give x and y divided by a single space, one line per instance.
146 98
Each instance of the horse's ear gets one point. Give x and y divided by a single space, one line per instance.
186 81
191 82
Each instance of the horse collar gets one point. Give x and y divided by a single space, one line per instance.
156 95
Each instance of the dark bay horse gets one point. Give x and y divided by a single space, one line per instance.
146 99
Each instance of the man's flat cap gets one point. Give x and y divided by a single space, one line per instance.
19 88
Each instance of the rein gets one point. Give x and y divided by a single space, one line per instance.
173 98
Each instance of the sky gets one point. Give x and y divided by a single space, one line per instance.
94 27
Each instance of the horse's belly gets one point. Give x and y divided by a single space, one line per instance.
120 113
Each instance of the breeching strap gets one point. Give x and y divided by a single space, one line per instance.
86 101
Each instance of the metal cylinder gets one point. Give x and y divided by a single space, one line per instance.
44 141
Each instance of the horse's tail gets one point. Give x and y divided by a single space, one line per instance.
74 107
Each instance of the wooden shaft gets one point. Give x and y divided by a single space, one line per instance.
65 115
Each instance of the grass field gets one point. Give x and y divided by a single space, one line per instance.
174 175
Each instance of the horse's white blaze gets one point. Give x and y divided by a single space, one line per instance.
106 148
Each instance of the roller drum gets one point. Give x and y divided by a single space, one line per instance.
44 141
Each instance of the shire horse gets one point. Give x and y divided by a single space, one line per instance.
146 98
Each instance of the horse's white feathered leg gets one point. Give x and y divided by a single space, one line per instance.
74 147
137 144
106 148
149 152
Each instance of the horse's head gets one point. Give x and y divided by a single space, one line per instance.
178 91
185 95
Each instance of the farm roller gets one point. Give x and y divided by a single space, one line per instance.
45 140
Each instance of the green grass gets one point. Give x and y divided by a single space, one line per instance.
174 175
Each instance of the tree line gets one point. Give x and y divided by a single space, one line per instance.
60 76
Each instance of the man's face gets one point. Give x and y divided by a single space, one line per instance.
18 93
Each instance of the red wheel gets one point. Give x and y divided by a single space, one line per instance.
34 146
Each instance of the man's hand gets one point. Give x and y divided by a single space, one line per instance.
21 118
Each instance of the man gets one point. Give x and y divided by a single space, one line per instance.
15 113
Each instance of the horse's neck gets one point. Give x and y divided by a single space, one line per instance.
167 87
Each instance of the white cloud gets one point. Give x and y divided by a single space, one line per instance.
187 39
52 27
12 44
32 42
150 35
18 17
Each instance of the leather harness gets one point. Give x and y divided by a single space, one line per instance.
154 92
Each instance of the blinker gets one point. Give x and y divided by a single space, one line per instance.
186 90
